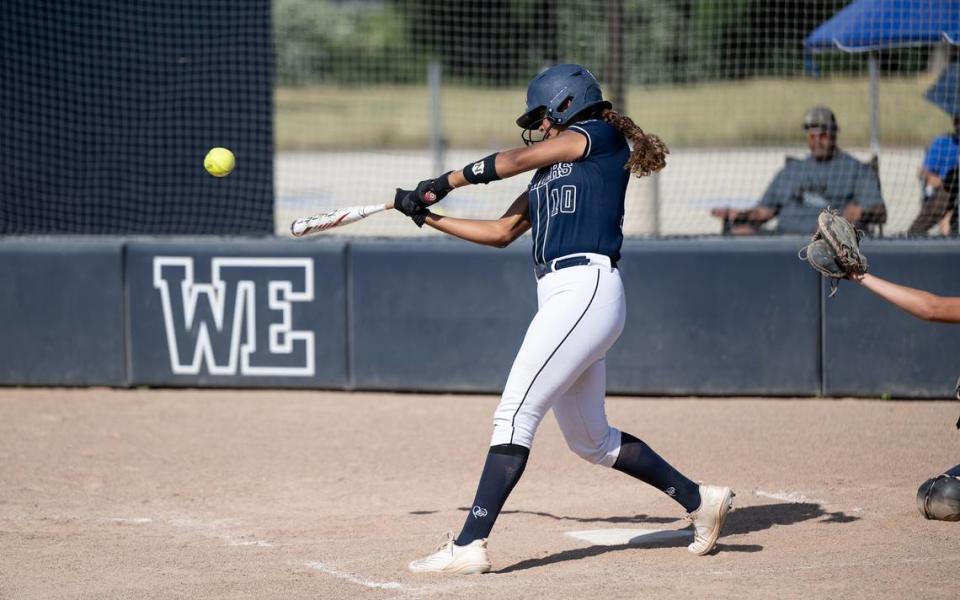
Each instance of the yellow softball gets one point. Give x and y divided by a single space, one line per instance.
219 162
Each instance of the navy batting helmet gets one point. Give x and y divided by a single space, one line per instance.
548 93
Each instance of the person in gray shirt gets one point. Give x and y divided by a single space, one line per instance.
827 177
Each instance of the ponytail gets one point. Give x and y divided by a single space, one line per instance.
649 153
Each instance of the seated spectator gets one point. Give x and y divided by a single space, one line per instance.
939 204
803 188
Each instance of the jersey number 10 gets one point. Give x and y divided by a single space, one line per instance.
563 200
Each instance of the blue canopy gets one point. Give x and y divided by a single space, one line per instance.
866 25
945 93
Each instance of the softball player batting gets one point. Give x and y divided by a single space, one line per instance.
574 206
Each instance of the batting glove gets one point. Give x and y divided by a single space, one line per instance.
431 191
406 202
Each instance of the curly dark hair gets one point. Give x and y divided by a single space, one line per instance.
649 153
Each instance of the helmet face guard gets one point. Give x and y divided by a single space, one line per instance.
559 94
533 135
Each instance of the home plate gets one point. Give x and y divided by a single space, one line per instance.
638 537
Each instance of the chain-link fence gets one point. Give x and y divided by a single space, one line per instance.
372 95
111 108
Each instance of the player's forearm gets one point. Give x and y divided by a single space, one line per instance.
918 303
761 214
506 165
754 216
567 147
488 233
873 214
742 222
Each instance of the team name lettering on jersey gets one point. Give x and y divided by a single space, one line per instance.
578 206
556 172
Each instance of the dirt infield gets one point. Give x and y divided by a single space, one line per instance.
230 494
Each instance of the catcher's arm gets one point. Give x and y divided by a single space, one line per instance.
919 303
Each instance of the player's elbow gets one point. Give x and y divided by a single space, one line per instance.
506 233
496 239
503 239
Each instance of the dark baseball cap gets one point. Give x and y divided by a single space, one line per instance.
820 117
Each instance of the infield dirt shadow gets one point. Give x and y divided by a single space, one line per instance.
740 521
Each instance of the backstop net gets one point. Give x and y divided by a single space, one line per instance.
372 95
110 107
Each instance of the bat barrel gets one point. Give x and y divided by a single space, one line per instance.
336 218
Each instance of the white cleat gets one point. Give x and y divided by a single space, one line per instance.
451 558
715 502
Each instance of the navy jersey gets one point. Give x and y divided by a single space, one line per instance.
578 206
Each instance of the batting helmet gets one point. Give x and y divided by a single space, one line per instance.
548 93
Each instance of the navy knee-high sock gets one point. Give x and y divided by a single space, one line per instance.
639 460
502 471
954 472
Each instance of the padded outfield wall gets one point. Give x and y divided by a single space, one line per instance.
705 317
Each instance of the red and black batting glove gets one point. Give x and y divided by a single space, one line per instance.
406 202
431 191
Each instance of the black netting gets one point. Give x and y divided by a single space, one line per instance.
725 84
109 108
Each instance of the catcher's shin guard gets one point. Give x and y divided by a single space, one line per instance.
939 498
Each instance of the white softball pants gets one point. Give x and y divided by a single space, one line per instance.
561 364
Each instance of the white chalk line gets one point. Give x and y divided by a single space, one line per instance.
799 498
212 528
795 497
323 568
215 529
130 520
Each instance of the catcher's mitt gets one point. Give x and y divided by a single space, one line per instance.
834 250
939 498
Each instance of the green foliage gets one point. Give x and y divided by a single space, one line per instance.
319 41
503 42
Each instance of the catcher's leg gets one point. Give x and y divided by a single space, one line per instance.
939 498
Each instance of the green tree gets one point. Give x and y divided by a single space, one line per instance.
347 43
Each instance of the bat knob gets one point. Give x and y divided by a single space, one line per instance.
297 228
430 197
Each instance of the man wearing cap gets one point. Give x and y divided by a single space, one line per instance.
803 188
